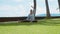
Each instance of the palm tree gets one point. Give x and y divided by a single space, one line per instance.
59 4
47 9
34 7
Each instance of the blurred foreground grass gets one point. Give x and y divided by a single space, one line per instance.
44 26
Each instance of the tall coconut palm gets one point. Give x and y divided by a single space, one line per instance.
47 9
34 1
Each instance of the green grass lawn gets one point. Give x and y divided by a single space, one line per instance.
45 26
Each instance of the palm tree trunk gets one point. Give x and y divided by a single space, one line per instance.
47 9
34 7
59 4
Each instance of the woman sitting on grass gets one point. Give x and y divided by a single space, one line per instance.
31 16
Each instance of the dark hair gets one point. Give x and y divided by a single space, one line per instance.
31 11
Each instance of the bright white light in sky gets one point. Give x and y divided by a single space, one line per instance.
16 8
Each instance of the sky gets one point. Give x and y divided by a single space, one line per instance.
18 8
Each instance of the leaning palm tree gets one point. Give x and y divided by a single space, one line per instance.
59 4
47 9
34 7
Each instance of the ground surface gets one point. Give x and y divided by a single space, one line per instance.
45 26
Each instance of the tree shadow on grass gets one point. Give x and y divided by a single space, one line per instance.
45 23
49 23
18 24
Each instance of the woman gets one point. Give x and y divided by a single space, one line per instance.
31 16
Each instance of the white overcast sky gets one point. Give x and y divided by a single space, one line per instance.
15 8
